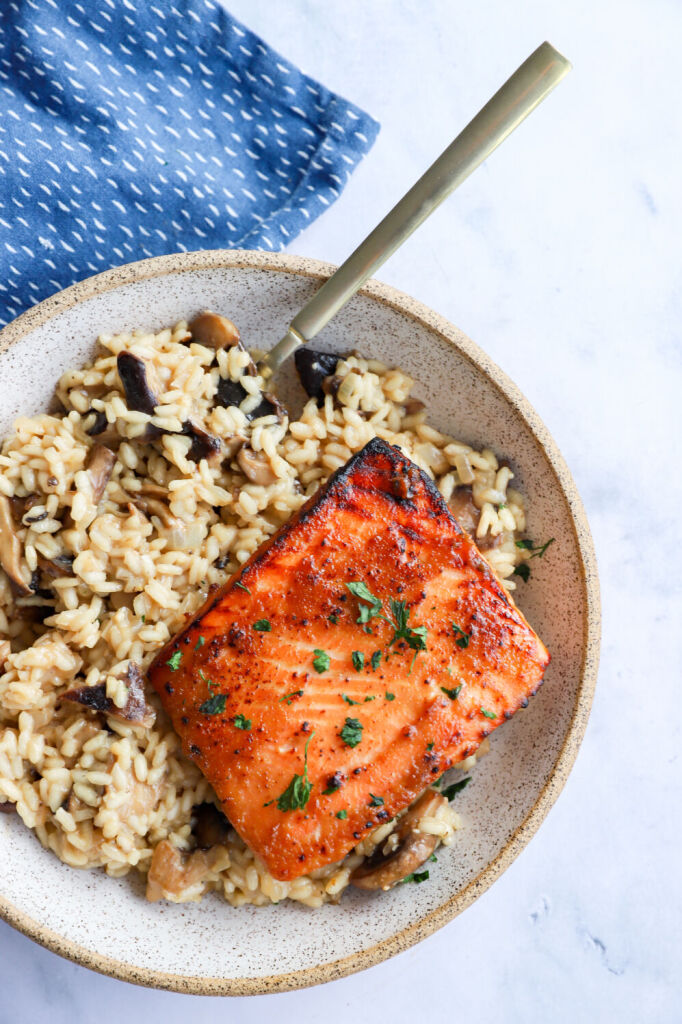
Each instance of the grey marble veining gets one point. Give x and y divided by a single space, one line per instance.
560 257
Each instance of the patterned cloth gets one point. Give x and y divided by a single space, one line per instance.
130 128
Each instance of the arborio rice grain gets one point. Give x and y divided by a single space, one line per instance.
113 577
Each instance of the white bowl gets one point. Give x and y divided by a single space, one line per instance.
209 947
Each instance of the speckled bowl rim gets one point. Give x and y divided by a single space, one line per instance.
386 295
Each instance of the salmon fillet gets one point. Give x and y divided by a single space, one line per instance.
313 727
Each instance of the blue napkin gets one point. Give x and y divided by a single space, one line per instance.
131 128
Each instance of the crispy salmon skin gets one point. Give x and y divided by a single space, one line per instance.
361 652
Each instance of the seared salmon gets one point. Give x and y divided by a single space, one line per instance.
360 653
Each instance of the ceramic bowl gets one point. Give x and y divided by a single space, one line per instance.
209 947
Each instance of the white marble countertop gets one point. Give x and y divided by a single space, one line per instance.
561 258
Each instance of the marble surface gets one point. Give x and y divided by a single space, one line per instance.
561 258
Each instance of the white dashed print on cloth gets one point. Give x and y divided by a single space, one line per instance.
130 129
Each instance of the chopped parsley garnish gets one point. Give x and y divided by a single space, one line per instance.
462 637
288 697
200 643
174 661
348 700
297 793
536 552
341 815
389 696
215 705
209 682
450 792
372 697
415 638
358 660
240 722
333 618
522 570
321 660
452 694
375 801
488 714
262 626
361 591
429 746
243 586
416 876
351 734
144 619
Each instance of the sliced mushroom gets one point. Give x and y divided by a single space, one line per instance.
463 508
20 506
331 386
414 847
135 710
105 432
313 368
54 568
98 424
142 389
22 509
214 331
99 464
256 466
172 873
269 406
204 445
467 514
153 490
231 392
139 383
210 827
488 542
38 590
152 507
413 406
232 445
10 551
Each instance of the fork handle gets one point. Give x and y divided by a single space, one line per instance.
510 105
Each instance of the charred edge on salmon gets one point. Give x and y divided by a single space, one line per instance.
341 480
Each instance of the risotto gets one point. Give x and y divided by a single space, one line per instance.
116 522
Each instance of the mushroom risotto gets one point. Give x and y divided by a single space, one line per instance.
164 469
